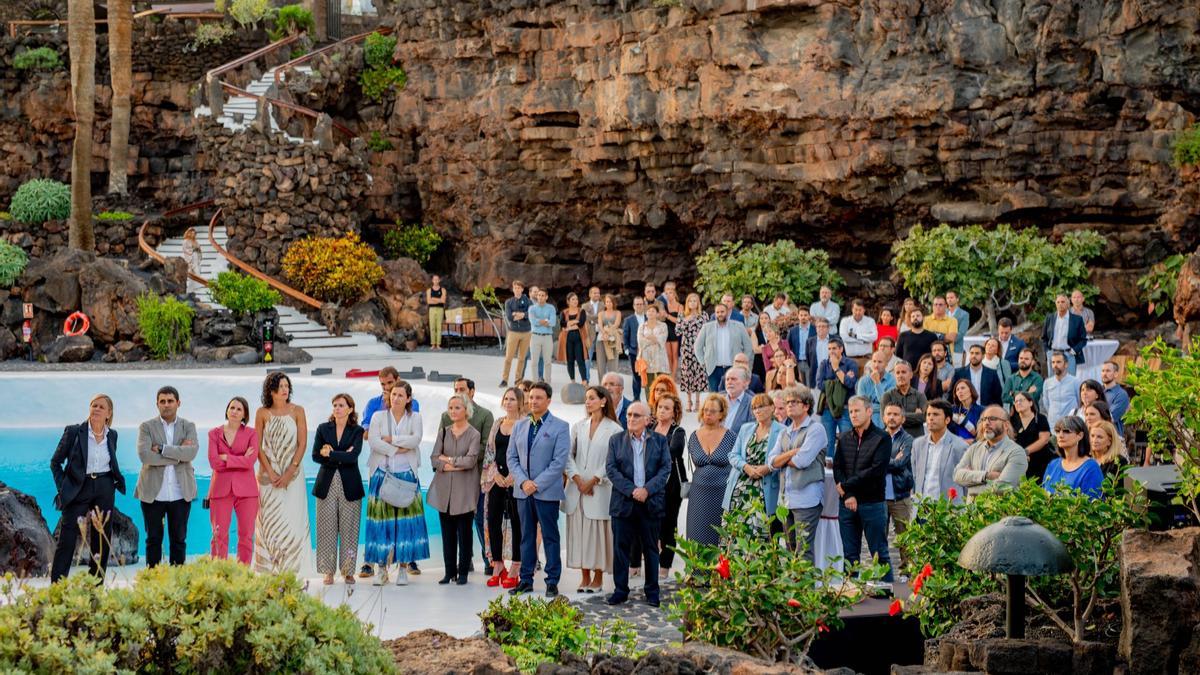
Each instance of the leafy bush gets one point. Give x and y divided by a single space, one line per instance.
42 58
1186 147
241 293
12 263
379 143
289 20
756 596
378 50
1090 529
206 616
249 12
340 270
1159 284
166 325
411 241
5 215
41 199
210 34
114 216
762 270
533 631
377 82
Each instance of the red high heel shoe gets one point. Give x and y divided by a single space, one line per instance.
496 579
509 581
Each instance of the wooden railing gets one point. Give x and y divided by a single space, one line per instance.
155 255
277 285
385 30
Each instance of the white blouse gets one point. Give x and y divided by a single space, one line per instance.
403 452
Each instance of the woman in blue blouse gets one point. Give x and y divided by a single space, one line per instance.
1075 468
965 410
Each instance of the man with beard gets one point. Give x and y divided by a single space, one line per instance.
993 462
916 341
1025 379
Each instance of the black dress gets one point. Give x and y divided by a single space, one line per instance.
501 503
1027 436
676 439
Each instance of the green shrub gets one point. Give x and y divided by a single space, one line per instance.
762 270
209 616
378 142
377 82
533 631
12 263
1159 284
289 20
241 293
41 199
378 50
411 241
340 270
42 58
1090 528
1186 147
249 12
5 215
210 34
166 325
114 216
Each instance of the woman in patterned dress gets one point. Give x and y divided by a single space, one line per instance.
709 448
652 344
282 542
751 478
191 253
692 378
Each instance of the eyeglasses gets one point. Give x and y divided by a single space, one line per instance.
793 401
769 406
635 415
991 418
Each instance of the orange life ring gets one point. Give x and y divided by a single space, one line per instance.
79 328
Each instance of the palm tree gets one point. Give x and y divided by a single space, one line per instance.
120 61
81 40
319 13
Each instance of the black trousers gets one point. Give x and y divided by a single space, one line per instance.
641 527
670 523
176 514
500 501
98 493
575 354
456 542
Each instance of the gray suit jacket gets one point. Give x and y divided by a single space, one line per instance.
920 455
706 344
1010 460
179 456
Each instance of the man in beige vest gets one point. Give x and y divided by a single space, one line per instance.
995 461
801 448
167 484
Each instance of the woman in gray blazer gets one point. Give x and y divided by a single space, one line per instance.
455 488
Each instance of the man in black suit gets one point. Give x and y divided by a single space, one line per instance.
1064 332
1010 345
817 349
639 465
629 338
986 380
798 337
860 471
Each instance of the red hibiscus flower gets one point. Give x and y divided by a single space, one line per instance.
821 627
895 608
917 584
723 567
792 602
952 493
926 571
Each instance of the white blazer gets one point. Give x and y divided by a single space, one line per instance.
406 438
589 459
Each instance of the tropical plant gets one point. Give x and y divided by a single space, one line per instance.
411 241
41 58
762 270
378 142
210 34
12 263
1186 147
241 294
1167 407
1159 284
289 20
114 216
207 616
39 200
340 270
1089 528
249 12
380 74
751 594
81 43
999 270
120 61
165 323
378 50
533 631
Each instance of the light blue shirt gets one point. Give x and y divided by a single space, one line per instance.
539 312
964 324
639 459
734 407
816 441
1059 398
822 350
868 387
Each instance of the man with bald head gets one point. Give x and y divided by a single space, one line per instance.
995 461
615 387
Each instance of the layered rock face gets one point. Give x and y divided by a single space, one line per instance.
605 141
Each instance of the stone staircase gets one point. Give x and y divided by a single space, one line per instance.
241 111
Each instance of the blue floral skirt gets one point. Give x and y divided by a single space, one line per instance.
395 535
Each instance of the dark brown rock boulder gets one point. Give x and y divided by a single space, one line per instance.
71 349
124 541
108 295
124 351
1160 597
432 652
366 317
25 543
1186 303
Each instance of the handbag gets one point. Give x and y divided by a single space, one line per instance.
685 486
395 491
642 369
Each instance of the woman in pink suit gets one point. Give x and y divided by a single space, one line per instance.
232 452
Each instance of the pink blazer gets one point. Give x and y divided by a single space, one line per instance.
236 475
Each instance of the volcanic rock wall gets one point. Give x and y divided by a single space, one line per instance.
610 141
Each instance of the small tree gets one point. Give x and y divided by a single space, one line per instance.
762 270
81 41
999 270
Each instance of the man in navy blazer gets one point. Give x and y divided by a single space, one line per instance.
738 395
1064 331
629 338
817 349
985 380
537 456
615 387
638 466
798 337
1010 345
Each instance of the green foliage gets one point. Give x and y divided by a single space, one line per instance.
5 215
114 216
1159 284
378 50
533 631
166 325
241 293
377 82
379 143
289 20
210 34
249 12
41 199
770 602
12 263
1186 147
411 241
340 270
1090 529
219 6
762 270
486 296
42 58
997 269
1167 408
209 616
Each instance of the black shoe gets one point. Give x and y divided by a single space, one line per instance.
471 566
520 589
653 602
446 579
503 383
462 580
551 590
413 569
367 571
615 599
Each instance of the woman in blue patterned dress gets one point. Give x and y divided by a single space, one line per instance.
709 448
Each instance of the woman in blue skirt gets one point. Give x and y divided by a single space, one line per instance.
395 536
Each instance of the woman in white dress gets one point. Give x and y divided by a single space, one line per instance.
282 541
589 534
191 254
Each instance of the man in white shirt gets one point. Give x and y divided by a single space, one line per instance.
719 341
801 449
1060 393
778 307
827 308
858 332
737 385
166 486
936 454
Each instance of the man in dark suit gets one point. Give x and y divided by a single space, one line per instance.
737 393
986 380
817 349
1010 345
798 337
629 338
639 465
860 471
1064 331
615 387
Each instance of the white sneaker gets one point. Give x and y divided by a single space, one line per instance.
402 577
381 579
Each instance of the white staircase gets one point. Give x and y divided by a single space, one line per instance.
246 107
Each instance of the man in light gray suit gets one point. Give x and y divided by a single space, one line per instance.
995 461
719 341
167 484
936 454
